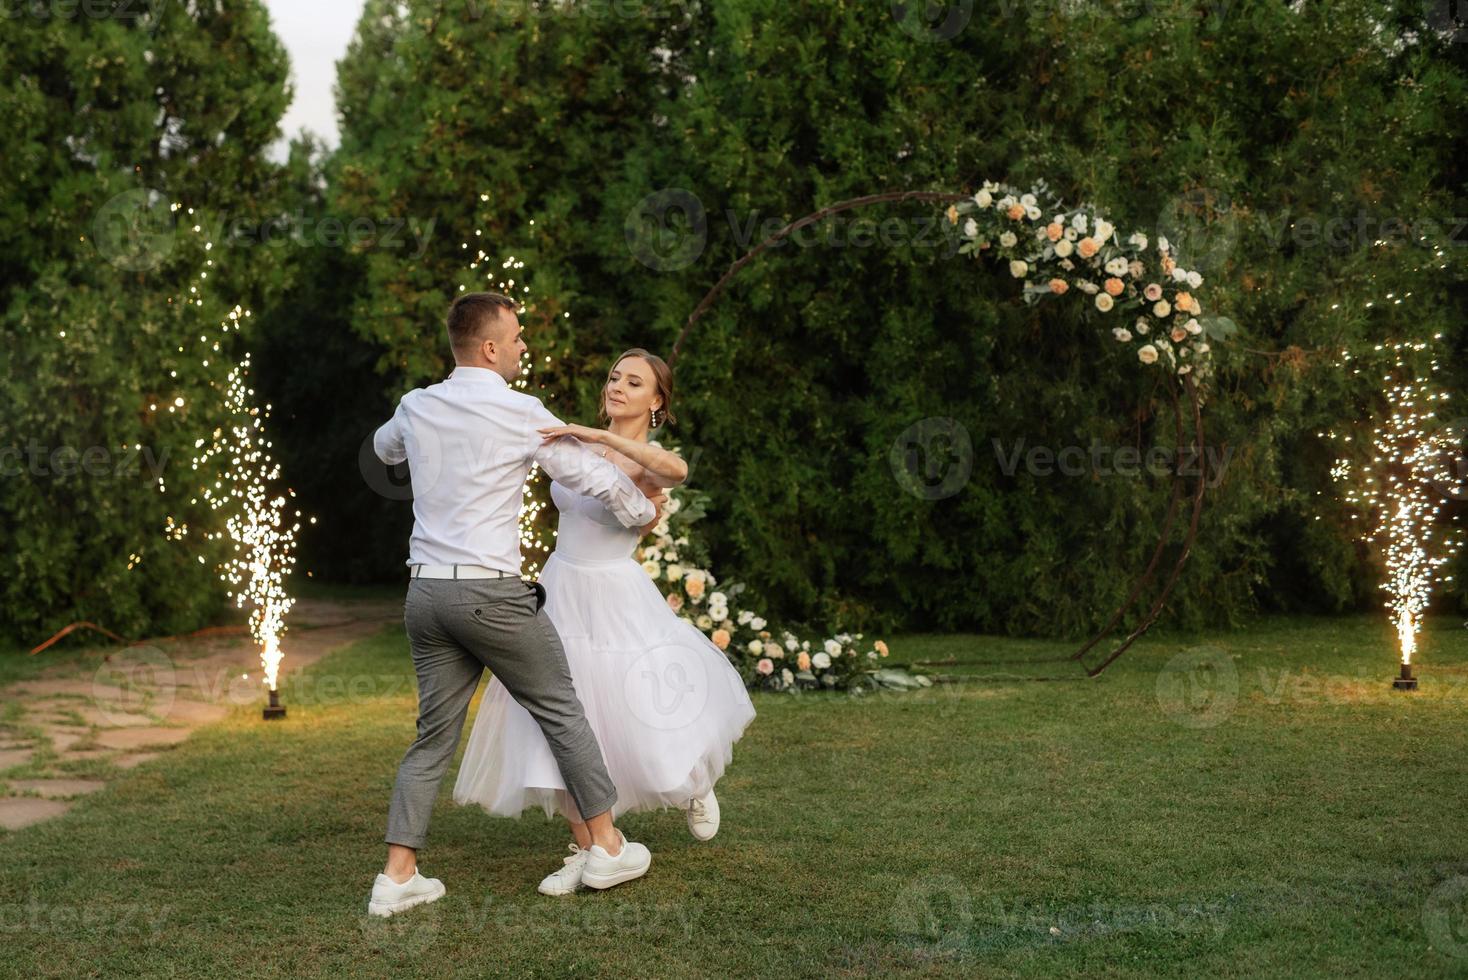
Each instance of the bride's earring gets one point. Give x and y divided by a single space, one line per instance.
657 418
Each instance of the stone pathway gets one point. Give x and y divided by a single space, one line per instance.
69 730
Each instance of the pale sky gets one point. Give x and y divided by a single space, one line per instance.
316 33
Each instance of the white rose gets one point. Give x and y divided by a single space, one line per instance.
651 568
1089 288
675 572
756 647
1143 326
1162 310
820 661
1078 222
745 616
705 622
674 505
1147 354
970 228
1138 241
718 599
1103 231
1185 368
1195 279
1162 244
1193 326
787 677
1008 239
1203 348
1019 268
1118 267
791 644
1029 201
1122 334
1064 248
756 624
1104 302
983 199
1032 212
1071 234
832 648
1179 274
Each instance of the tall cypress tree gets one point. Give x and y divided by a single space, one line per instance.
114 114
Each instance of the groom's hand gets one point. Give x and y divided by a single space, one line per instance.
661 503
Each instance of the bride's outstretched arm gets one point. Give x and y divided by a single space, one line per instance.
665 468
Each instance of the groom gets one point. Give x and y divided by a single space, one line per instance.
470 441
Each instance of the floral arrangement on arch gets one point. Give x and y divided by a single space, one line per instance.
1148 297
767 658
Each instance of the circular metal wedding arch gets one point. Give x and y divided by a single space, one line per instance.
1179 481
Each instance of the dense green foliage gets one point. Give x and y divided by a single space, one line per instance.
1270 143
111 116
1305 157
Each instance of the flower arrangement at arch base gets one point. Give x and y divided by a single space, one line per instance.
767 658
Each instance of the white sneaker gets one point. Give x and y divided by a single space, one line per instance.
389 897
567 879
603 871
703 816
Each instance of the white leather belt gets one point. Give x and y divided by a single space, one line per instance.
459 572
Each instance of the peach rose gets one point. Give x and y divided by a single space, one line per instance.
675 601
1016 211
1114 286
766 666
1168 264
1178 335
803 661
1184 302
1054 232
881 648
1153 292
1087 247
721 639
1059 286
694 587
952 214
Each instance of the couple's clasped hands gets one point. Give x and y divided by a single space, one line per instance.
650 488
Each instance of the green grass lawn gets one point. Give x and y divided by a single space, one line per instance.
1257 804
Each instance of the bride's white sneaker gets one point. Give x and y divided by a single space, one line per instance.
389 897
602 870
703 816
568 878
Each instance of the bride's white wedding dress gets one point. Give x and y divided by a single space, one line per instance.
664 701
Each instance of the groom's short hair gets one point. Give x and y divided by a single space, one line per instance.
472 315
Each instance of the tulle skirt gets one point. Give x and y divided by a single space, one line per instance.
665 703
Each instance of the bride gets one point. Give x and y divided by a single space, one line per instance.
665 703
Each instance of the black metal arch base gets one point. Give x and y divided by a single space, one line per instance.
1094 666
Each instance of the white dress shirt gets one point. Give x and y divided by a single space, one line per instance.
469 442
